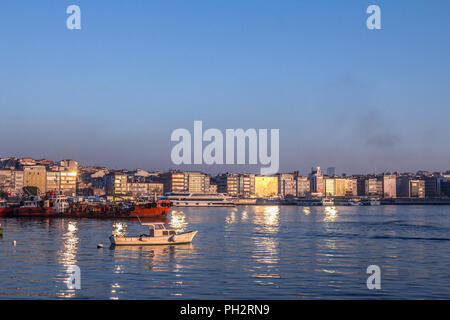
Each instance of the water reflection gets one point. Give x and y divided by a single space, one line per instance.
67 257
119 228
331 214
306 210
265 250
178 221
267 217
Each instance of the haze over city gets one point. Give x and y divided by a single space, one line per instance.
343 96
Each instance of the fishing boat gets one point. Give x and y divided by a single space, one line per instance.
158 235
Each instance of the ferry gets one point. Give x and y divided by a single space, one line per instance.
192 199
158 235
309 202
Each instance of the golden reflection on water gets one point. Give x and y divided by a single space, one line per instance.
331 214
178 221
67 256
119 228
266 247
306 210
231 217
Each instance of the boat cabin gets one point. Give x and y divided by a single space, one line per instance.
158 230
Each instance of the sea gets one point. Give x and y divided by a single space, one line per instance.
245 252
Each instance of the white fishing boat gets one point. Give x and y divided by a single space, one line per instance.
158 234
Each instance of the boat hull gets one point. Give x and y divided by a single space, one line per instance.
181 238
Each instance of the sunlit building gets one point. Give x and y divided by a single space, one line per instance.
35 176
329 187
390 186
266 186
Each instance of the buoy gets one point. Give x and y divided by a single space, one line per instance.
100 245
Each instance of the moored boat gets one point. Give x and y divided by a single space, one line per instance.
158 235
4 208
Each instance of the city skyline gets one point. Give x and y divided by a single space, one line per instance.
342 96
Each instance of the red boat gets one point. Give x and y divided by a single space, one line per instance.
59 207
154 209
4 208
33 208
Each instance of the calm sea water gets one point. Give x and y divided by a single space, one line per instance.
254 252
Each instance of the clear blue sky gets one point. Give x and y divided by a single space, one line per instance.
341 95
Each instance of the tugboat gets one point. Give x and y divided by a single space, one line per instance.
158 235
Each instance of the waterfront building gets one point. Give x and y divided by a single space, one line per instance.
116 184
360 185
246 188
351 187
197 182
145 189
410 187
11 181
266 186
373 187
340 184
35 176
330 187
175 181
316 182
303 186
287 185
432 186
389 186
62 182
228 183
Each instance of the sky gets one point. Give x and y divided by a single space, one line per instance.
341 95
